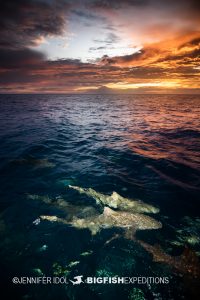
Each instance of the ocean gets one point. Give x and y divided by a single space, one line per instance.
62 157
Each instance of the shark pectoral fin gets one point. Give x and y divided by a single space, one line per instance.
114 237
94 229
73 187
77 188
98 202
130 233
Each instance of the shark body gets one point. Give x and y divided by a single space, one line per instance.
116 201
109 219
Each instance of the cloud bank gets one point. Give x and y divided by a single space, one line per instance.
167 56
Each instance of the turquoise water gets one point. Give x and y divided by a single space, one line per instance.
142 147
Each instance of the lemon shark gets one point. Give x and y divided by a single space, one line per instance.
130 222
116 201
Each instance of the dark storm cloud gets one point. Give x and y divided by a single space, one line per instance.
22 22
126 59
192 56
59 74
191 5
194 4
193 42
149 72
188 52
67 74
11 59
66 61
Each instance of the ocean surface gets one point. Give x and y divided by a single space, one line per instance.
145 148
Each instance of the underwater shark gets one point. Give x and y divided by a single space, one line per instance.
61 204
116 201
187 263
110 218
34 162
130 222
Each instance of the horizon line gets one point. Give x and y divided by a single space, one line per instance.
108 94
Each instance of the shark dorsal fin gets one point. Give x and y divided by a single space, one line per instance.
108 211
115 195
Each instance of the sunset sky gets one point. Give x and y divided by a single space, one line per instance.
132 46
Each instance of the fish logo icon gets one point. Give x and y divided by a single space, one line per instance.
78 280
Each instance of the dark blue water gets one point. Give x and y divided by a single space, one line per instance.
142 147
